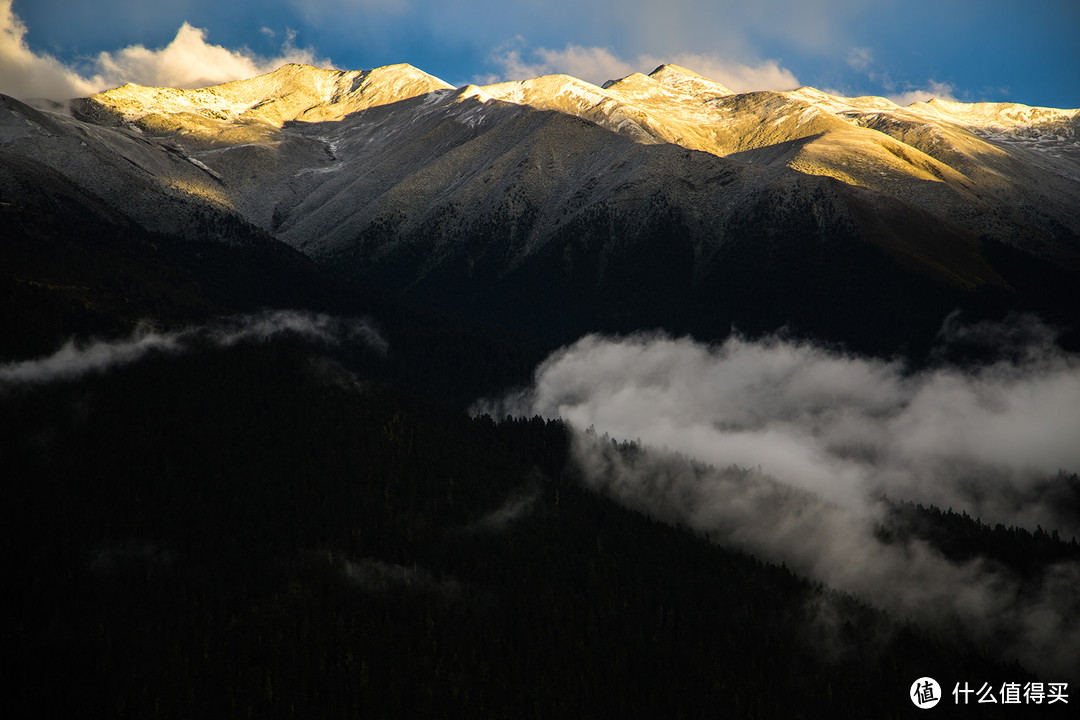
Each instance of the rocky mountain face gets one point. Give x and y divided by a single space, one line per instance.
660 200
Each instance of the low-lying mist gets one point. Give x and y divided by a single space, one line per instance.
787 448
988 439
76 359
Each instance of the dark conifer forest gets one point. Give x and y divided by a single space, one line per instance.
258 532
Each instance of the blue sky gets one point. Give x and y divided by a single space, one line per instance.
1000 50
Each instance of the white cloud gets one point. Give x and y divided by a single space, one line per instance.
737 76
933 89
598 64
801 442
842 427
187 61
593 64
25 74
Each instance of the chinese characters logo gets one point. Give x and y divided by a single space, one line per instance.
925 693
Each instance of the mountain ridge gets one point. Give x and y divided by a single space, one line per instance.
971 163
451 196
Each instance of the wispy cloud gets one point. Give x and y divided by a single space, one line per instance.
378 576
860 58
75 359
516 506
187 61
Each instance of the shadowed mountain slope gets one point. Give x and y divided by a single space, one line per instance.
661 200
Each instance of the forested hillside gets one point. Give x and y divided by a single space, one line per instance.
256 531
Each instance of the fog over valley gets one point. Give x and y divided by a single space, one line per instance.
794 451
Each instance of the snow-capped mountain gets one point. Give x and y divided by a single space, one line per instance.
1004 170
668 186
218 115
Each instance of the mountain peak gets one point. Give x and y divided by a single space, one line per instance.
672 68
564 93
688 81
291 92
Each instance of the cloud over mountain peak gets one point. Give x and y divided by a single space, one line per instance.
187 61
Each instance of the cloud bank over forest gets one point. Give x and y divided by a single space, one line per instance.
847 428
786 449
